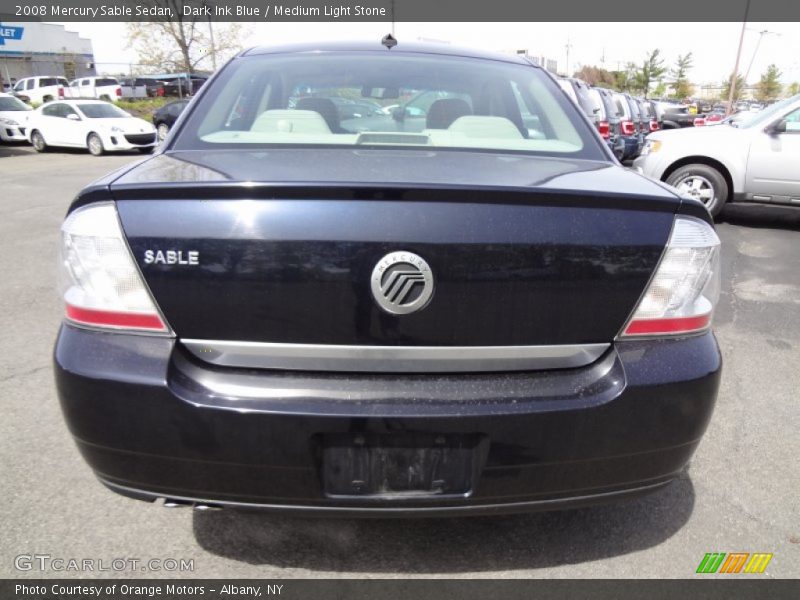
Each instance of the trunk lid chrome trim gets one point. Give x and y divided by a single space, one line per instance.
393 359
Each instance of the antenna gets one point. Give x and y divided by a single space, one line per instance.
389 41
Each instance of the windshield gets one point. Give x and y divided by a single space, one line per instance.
10 103
768 114
102 111
371 99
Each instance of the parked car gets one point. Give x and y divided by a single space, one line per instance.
628 126
164 118
608 120
470 317
38 90
99 88
676 117
716 116
754 160
181 86
650 122
135 87
13 118
578 91
93 124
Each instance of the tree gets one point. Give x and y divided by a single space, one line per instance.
793 89
624 81
726 88
183 43
681 86
652 69
769 87
595 76
660 90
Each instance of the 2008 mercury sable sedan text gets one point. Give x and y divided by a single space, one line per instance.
386 281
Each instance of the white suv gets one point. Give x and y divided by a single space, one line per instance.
41 89
98 88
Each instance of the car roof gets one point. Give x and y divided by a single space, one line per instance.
403 47
78 101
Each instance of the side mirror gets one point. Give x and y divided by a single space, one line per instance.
73 117
399 113
777 127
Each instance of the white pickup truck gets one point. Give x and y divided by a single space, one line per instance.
98 88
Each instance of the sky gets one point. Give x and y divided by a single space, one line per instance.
608 45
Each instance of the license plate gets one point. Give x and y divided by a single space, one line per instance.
399 465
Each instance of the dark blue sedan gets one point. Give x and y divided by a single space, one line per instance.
455 302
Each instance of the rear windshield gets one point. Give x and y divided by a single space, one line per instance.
107 81
584 100
101 111
377 99
11 103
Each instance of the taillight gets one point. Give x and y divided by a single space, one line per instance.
119 92
604 129
160 91
60 92
626 127
699 121
101 283
684 290
654 126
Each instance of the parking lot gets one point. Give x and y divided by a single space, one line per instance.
740 493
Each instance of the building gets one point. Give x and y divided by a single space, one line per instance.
546 63
28 49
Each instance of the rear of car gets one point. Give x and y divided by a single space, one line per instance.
607 120
461 304
133 88
628 126
98 88
648 115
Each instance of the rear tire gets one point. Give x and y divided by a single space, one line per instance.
703 183
95 145
37 141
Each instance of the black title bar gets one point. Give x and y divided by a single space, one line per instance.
401 10
719 588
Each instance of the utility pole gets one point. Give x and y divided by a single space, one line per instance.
732 93
568 46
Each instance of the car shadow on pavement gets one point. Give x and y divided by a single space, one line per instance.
768 217
427 546
14 150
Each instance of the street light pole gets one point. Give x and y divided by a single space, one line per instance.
568 46
732 92
761 35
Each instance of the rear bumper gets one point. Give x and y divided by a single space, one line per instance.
154 422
